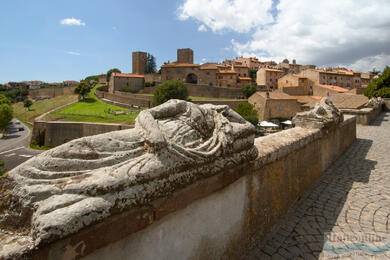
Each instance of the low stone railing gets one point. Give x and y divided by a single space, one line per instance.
214 216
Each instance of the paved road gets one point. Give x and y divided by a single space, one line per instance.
13 147
350 202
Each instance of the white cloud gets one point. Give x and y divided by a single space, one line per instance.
332 32
202 28
72 21
237 15
368 63
114 28
74 53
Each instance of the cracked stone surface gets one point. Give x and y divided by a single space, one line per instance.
86 180
351 198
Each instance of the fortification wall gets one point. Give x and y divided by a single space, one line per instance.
363 116
50 92
197 90
54 133
217 217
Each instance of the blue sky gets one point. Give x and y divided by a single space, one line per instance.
35 46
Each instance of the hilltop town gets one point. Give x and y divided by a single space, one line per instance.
191 151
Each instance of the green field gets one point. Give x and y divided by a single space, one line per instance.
92 110
40 107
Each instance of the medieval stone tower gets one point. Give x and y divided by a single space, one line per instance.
185 56
139 62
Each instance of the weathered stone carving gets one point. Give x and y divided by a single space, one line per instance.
324 114
375 103
86 180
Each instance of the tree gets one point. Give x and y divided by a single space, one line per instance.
4 100
114 70
2 170
375 71
27 103
253 74
171 89
6 115
248 90
247 111
83 88
379 87
150 64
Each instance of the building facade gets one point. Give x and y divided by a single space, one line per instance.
139 62
268 78
119 81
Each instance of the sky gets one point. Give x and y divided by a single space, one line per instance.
53 40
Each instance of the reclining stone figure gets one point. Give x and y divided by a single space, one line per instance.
84 181
324 114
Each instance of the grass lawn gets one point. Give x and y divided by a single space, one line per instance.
40 107
92 110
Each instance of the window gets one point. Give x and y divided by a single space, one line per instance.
211 84
270 80
286 81
231 77
207 73
179 72
168 71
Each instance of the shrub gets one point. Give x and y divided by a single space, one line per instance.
248 90
6 114
128 89
247 111
171 89
379 87
83 88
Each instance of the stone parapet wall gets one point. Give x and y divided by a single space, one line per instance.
364 116
387 103
219 216
54 133
50 92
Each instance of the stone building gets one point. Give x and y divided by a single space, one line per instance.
275 105
102 79
342 79
139 62
211 74
268 78
124 80
185 56
293 84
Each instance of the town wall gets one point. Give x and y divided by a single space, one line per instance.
218 217
197 90
54 133
50 92
129 100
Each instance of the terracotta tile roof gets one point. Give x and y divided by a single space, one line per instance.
309 101
180 65
208 68
227 72
244 78
126 75
349 100
335 88
276 95
275 70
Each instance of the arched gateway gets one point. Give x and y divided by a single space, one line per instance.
192 78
